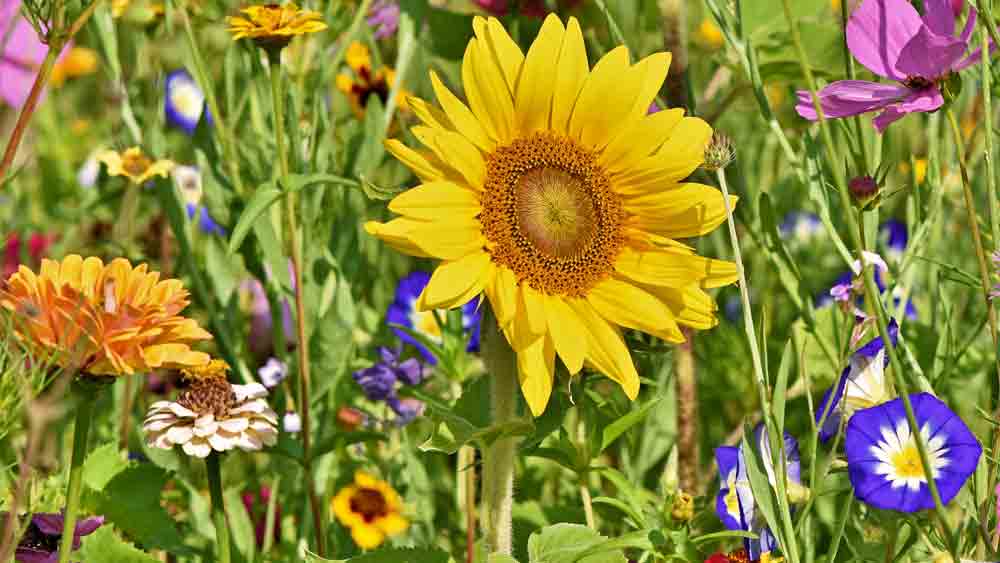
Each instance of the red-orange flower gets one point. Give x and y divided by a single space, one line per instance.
103 319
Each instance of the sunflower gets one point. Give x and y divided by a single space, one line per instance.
371 509
363 82
134 165
554 193
103 319
273 25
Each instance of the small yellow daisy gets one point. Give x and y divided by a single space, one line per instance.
273 25
134 165
371 509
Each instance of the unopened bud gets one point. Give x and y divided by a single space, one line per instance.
683 509
349 419
797 494
864 190
719 153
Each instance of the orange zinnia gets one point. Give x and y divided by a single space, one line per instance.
103 319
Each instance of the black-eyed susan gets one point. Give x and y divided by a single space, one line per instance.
371 509
363 82
273 25
555 194
103 319
134 165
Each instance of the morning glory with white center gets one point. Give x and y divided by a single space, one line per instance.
184 102
404 311
883 461
735 504
893 237
861 385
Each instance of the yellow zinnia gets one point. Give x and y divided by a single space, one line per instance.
103 319
556 195
134 165
371 509
273 25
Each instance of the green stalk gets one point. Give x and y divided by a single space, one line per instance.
991 182
86 395
791 550
295 251
218 508
498 459
872 294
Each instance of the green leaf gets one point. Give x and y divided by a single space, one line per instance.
132 501
102 465
500 558
620 426
104 546
724 535
781 385
240 526
392 555
569 543
262 198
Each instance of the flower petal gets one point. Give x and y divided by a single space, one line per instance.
455 283
571 73
436 201
533 99
877 32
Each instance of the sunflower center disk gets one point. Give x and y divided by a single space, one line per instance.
550 215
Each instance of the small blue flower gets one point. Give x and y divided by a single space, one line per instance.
403 311
861 384
379 383
883 462
893 237
800 226
406 409
184 102
205 221
272 373
735 504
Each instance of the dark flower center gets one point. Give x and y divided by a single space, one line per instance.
212 395
369 503
917 82
35 539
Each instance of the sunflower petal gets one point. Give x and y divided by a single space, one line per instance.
673 267
689 210
456 151
436 201
449 240
536 372
488 92
605 100
501 48
455 283
535 86
629 306
640 140
567 333
413 160
570 75
502 293
461 116
606 349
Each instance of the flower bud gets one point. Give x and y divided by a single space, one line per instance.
864 190
683 508
349 419
719 153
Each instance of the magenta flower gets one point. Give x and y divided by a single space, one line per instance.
384 17
40 543
21 54
891 39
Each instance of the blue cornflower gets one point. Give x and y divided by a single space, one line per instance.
379 383
883 462
893 238
403 311
861 384
800 226
205 221
735 504
184 102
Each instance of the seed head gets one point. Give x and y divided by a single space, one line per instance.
719 153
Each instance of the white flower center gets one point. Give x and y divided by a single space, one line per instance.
187 100
900 459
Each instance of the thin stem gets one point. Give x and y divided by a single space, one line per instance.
81 431
872 294
295 251
123 425
218 507
498 459
588 503
271 516
466 478
686 384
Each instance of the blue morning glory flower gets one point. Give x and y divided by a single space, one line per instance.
205 221
735 504
800 226
893 237
883 462
403 311
184 102
861 384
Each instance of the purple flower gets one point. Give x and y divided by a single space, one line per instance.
407 409
40 543
893 236
379 383
891 39
21 54
403 311
255 303
384 17
255 503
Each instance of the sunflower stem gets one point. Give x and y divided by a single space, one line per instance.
498 458
295 251
218 508
86 396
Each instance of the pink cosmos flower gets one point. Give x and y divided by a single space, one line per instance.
21 54
384 17
891 39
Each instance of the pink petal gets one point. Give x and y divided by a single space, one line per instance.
970 25
939 17
972 58
929 55
15 83
877 32
925 100
849 97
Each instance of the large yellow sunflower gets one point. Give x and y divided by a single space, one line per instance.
555 194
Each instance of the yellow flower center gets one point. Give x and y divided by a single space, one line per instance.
907 463
369 503
135 164
550 215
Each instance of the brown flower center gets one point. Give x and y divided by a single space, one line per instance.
550 215
136 164
369 503
212 395
917 82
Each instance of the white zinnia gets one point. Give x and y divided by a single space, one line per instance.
214 418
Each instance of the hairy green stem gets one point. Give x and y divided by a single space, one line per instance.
294 243
81 432
498 459
218 507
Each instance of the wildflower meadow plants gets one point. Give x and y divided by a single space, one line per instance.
474 281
